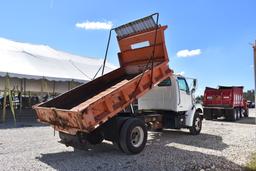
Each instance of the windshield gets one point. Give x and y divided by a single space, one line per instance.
182 84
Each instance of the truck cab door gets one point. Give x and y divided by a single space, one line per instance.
185 98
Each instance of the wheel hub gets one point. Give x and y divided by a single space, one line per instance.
197 123
137 136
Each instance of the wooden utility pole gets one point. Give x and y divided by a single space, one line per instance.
254 67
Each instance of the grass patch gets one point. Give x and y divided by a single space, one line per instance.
251 165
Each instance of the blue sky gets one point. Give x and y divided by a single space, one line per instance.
221 29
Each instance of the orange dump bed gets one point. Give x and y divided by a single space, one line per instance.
86 107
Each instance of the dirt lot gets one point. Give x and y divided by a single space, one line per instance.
221 146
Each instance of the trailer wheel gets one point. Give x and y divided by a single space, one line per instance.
133 136
197 125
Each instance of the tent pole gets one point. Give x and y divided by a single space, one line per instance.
29 98
25 86
20 94
10 100
68 85
7 90
4 102
72 84
53 89
42 87
46 87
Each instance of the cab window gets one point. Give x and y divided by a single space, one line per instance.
183 84
166 82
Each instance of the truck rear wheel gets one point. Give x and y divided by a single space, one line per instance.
237 114
233 115
95 137
133 136
208 114
197 125
78 141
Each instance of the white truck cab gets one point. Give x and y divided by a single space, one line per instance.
175 100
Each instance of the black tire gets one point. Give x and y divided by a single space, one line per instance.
95 137
119 146
133 127
208 114
197 124
233 115
78 141
237 114
215 117
208 117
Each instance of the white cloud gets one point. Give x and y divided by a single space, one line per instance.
180 73
95 25
188 53
251 66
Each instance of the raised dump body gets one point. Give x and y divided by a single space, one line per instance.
144 62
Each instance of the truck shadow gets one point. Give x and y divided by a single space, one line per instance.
203 140
248 120
168 150
154 157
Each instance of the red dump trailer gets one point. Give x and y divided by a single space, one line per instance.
94 111
224 101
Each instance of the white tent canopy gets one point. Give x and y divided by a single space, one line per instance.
23 60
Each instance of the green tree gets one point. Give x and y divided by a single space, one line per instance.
249 95
199 99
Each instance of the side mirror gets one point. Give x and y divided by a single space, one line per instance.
193 90
194 84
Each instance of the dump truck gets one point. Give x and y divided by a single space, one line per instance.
225 101
97 110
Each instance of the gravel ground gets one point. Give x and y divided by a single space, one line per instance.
221 146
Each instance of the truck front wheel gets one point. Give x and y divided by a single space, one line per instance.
133 136
197 125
